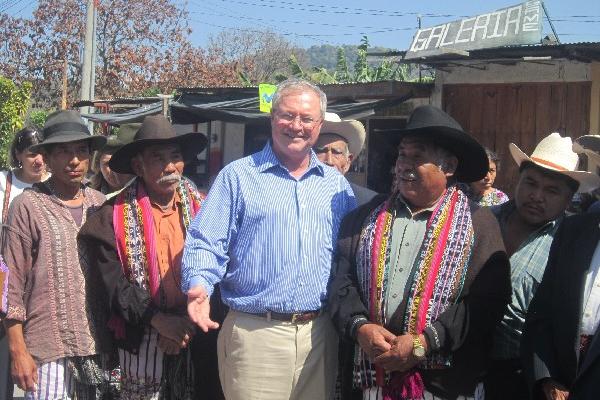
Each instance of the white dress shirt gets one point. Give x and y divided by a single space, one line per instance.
591 296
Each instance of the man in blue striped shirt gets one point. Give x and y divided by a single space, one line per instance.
266 233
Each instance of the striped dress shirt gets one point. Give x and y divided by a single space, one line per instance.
266 236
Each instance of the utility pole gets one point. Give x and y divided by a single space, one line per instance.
89 58
63 103
419 22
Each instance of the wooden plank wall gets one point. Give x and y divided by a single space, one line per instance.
521 113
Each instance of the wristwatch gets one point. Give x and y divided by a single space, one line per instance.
418 348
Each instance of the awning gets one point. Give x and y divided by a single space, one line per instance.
192 108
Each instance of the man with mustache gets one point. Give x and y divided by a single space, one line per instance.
547 182
135 243
421 276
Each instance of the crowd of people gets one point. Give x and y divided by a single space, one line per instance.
120 279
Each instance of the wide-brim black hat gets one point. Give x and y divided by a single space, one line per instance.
432 123
156 129
66 126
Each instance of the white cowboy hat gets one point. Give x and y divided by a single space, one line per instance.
555 153
352 131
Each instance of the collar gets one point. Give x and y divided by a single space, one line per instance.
401 203
267 159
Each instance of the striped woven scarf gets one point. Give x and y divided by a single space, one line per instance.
136 245
440 269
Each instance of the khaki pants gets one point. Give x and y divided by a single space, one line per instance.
264 360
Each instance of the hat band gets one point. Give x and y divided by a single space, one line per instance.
65 126
549 164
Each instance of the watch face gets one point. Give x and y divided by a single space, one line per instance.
419 352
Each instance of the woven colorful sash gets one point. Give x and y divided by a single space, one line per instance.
134 234
439 273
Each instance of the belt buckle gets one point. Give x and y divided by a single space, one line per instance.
296 318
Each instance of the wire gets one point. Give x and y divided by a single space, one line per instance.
390 29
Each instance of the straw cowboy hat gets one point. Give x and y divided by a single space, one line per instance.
156 129
352 131
432 123
555 153
66 126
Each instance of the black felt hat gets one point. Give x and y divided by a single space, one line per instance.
66 126
432 123
156 129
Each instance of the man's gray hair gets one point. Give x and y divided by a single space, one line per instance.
296 84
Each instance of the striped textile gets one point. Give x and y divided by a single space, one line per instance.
57 382
376 393
273 235
142 373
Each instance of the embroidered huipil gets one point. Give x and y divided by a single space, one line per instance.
527 266
47 289
267 236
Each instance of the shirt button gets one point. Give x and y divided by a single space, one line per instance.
407 244
395 295
401 269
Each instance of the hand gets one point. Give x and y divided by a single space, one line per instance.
554 390
400 357
24 371
174 327
374 339
168 346
199 309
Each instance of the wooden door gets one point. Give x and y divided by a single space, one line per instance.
521 113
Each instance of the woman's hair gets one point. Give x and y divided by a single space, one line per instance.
23 139
493 157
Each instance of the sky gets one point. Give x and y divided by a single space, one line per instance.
386 23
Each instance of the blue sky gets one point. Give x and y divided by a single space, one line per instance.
387 23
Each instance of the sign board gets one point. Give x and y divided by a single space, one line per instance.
516 25
265 95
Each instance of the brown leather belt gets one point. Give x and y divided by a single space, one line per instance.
294 318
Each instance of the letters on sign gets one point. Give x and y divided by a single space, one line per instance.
516 25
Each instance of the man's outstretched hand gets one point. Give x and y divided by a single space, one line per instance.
199 309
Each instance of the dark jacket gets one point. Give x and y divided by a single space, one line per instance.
550 344
121 297
464 329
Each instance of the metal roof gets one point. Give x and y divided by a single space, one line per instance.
580 51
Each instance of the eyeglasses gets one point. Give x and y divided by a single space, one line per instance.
306 122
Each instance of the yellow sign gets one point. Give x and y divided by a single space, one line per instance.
265 95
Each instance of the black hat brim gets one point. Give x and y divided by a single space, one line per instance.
191 145
473 163
96 142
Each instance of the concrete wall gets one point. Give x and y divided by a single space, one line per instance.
233 141
541 71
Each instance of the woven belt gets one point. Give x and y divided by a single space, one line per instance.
294 318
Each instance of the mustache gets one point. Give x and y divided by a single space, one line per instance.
174 177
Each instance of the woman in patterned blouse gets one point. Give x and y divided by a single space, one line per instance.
482 192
